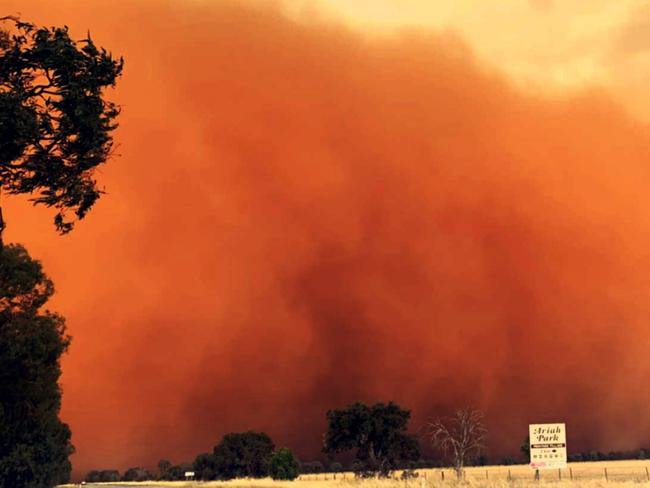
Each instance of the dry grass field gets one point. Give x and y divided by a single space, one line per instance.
589 475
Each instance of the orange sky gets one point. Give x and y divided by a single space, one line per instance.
303 215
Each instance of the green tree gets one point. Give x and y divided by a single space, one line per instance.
34 443
243 454
55 125
377 433
284 465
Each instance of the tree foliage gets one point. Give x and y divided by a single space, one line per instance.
137 474
377 433
171 472
34 443
204 467
163 468
55 125
243 454
103 476
284 465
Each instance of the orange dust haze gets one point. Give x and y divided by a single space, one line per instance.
302 216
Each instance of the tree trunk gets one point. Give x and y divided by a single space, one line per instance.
460 465
2 228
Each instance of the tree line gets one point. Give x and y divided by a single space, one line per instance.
376 436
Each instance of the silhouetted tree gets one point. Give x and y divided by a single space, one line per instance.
377 434
55 125
54 131
137 474
109 475
462 436
283 465
34 443
243 454
93 476
163 470
175 473
204 467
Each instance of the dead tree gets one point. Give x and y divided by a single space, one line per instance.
461 436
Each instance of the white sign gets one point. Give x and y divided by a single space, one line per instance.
189 474
547 446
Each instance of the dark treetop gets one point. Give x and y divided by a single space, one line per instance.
55 126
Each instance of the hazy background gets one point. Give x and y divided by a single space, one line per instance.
315 204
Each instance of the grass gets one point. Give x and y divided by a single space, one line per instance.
623 474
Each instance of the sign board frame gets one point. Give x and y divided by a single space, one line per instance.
547 446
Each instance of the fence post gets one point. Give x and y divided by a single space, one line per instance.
647 474
571 473
509 476
559 474
442 474
606 477
486 474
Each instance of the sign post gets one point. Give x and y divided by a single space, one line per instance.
547 446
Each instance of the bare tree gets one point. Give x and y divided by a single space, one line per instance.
461 436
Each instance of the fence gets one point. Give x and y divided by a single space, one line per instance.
603 471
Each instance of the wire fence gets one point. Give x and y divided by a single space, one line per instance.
588 472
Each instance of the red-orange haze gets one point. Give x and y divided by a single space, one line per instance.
302 216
